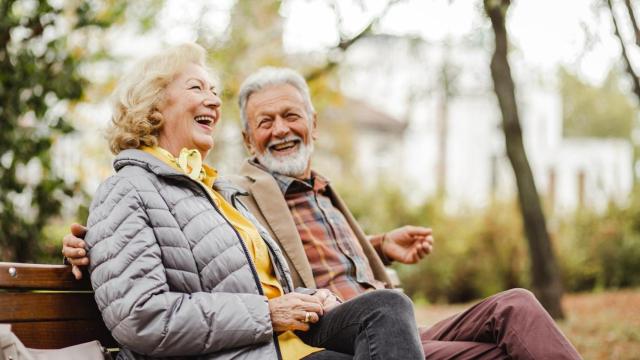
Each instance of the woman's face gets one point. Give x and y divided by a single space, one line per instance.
191 109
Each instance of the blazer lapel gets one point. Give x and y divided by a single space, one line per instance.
274 210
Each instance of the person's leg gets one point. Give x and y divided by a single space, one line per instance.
328 355
461 350
514 321
379 324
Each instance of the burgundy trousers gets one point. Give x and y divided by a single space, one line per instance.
511 324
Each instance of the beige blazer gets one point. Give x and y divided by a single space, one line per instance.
267 203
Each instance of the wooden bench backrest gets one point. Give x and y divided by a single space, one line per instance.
47 308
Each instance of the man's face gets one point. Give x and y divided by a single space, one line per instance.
280 131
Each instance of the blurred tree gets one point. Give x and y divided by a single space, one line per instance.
628 66
252 39
595 111
448 76
43 45
347 41
545 275
625 52
634 22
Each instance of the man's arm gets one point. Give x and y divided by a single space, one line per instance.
73 249
407 244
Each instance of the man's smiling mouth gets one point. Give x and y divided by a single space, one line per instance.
284 145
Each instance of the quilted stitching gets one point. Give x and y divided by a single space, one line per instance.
164 260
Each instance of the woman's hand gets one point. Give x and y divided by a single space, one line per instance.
289 312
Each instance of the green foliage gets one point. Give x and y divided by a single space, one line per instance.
39 81
602 250
595 111
481 252
476 253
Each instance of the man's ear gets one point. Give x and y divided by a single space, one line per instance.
314 126
247 142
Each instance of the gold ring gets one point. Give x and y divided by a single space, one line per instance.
307 317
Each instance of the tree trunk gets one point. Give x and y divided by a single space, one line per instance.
625 56
443 136
634 23
544 270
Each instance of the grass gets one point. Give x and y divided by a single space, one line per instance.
603 325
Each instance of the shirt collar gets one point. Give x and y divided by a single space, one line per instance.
291 185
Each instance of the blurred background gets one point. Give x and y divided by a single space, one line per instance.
411 131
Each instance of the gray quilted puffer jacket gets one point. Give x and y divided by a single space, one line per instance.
171 276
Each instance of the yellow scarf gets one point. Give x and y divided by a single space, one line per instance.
189 161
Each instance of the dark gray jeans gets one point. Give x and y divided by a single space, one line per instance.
379 324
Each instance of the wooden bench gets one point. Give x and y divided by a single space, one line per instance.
48 309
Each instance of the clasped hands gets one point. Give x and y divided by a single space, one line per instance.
296 311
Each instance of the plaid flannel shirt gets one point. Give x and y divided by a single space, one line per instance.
334 253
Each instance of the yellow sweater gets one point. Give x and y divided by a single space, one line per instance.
190 162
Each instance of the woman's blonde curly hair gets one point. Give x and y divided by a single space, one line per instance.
136 121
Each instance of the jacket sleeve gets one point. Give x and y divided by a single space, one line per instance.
129 281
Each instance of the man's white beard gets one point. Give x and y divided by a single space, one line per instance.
292 165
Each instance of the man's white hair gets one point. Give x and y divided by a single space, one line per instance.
272 76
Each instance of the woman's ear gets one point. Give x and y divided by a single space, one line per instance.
155 119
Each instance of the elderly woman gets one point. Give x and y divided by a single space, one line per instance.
181 268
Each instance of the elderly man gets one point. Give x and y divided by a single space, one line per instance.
325 246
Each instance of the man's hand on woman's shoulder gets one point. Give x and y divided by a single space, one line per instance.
73 249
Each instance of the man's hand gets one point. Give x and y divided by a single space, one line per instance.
288 312
408 244
328 299
73 249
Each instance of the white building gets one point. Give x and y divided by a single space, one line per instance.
372 136
404 78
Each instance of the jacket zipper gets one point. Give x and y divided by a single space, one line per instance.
275 260
256 278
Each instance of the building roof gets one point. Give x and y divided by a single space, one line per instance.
363 116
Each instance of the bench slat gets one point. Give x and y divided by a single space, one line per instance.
40 277
32 306
59 334
43 319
